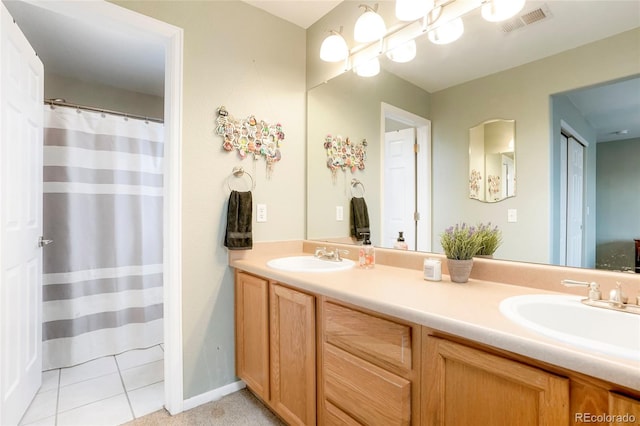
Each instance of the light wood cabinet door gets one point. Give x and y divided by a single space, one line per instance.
252 333
466 386
623 410
293 355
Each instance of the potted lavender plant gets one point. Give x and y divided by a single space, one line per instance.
460 244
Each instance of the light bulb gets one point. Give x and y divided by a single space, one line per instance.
369 27
404 52
499 10
334 48
369 68
447 33
410 10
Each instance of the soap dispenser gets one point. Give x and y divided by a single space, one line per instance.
400 243
367 254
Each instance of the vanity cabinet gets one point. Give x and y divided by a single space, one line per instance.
316 360
370 368
463 385
276 346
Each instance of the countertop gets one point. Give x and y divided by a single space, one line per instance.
468 310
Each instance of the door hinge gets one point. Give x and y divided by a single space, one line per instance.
42 242
416 216
416 148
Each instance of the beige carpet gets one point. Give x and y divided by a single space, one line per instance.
238 408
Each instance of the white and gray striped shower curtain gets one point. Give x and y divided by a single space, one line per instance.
103 196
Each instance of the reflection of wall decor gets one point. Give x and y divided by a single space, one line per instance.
250 137
474 183
343 154
494 186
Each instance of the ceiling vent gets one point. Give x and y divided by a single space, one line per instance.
537 15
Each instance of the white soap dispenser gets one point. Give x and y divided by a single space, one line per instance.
400 243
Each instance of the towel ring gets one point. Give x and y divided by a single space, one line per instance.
239 172
354 184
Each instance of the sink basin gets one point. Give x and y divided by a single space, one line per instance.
565 318
309 264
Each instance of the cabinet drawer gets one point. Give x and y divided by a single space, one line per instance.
367 393
368 336
333 416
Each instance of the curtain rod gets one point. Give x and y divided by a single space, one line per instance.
62 102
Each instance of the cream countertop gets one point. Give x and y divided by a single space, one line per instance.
467 310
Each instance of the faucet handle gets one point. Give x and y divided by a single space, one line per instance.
616 295
594 288
320 251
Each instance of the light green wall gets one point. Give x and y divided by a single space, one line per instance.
351 106
523 94
253 63
618 221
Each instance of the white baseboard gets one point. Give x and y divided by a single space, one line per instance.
212 395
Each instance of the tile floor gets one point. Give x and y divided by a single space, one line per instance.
107 391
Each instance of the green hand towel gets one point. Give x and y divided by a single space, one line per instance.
359 218
238 235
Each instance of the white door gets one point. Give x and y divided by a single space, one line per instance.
399 187
575 201
21 115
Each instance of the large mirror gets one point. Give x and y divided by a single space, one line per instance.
492 161
546 97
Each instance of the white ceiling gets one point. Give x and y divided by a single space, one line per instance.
124 58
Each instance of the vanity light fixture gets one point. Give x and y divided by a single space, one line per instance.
440 19
334 48
369 26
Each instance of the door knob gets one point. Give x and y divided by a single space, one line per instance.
42 242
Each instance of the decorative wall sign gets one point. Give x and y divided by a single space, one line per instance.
250 137
343 154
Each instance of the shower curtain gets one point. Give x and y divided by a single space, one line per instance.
103 198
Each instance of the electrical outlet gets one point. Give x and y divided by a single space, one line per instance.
261 213
512 215
339 213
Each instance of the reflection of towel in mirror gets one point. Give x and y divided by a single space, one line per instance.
359 218
238 235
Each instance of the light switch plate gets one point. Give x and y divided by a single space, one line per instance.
339 213
261 213
512 215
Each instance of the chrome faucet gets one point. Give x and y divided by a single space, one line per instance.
333 255
617 299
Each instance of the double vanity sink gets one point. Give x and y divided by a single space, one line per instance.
428 347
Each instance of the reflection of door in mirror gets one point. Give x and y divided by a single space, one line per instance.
399 174
492 161
406 170
572 201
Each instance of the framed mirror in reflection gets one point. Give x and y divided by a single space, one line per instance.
541 94
492 161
